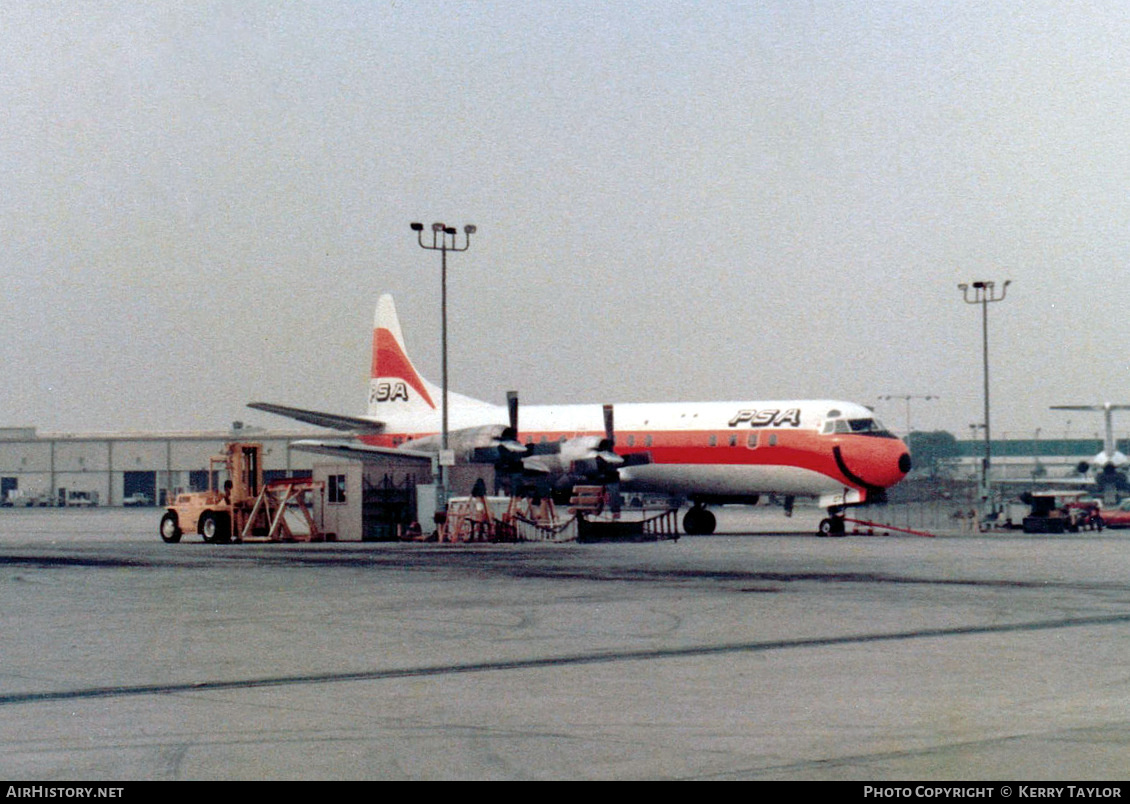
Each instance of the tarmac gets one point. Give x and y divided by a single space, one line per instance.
775 655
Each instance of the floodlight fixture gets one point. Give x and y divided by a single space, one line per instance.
440 243
984 292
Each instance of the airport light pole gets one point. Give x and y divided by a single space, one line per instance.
908 397
444 239
973 428
984 293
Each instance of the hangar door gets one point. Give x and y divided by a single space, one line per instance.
140 483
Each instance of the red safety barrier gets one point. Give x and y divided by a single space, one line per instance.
890 527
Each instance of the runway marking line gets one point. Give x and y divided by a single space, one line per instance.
553 661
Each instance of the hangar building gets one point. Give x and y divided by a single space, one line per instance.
369 499
120 468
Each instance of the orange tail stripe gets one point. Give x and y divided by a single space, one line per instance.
389 361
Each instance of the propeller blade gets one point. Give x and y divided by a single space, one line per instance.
536 465
610 457
512 407
609 431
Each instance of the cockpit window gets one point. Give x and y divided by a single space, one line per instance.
869 427
857 426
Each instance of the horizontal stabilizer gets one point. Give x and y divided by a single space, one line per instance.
357 451
353 424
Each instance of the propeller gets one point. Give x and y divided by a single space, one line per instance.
510 449
596 461
515 466
606 450
613 457
532 468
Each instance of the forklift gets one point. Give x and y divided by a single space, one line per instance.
247 509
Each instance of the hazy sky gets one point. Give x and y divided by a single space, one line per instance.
201 202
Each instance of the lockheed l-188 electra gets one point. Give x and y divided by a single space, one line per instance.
710 453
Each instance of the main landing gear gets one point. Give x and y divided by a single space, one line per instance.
833 524
698 521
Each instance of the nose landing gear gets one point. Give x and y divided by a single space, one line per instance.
833 524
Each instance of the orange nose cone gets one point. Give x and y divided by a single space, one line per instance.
877 462
894 464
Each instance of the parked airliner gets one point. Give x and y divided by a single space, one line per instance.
711 453
1109 465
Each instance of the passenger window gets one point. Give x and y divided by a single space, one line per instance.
733 440
631 441
713 440
751 442
647 441
772 439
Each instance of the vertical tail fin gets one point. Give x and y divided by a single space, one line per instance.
396 390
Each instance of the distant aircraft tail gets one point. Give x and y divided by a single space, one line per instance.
396 390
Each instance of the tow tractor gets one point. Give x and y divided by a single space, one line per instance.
247 509
1060 512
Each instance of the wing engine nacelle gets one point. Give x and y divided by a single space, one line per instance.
560 465
593 460
534 468
468 442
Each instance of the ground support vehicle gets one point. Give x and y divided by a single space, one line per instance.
1057 512
1119 516
81 499
247 509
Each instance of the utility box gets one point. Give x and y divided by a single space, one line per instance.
380 497
371 500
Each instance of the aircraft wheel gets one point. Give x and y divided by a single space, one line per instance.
214 528
170 530
699 522
831 526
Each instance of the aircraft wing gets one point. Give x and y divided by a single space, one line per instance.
1099 408
354 424
355 450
